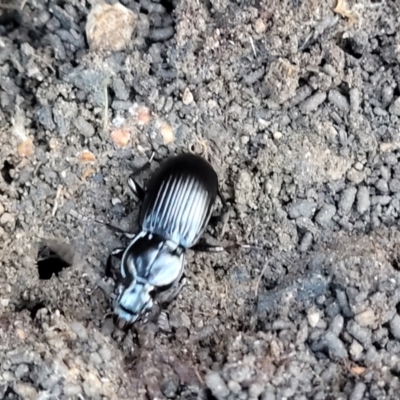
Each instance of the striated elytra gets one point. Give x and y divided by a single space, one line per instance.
176 209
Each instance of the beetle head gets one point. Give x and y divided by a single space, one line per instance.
148 265
132 302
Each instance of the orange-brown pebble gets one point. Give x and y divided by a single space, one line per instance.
167 132
26 148
86 157
121 136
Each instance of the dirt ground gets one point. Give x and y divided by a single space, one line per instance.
296 103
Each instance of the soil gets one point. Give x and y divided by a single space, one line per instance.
296 103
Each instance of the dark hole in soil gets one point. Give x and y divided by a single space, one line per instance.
168 4
50 263
10 394
5 172
35 308
396 264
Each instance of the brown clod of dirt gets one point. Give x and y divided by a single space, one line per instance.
110 28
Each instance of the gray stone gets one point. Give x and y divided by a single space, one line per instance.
84 128
325 214
363 335
335 346
366 318
313 102
394 108
358 391
217 385
302 208
355 99
45 117
347 200
120 89
79 329
336 325
394 185
90 81
382 185
395 326
363 201
338 100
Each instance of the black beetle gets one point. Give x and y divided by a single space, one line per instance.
177 207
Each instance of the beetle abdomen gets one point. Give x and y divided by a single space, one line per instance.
179 199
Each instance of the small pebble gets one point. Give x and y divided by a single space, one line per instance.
355 350
363 201
394 185
217 385
335 345
92 386
366 318
255 390
382 200
79 329
105 354
26 148
363 335
167 132
394 108
313 318
336 325
7 218
382 185
306 242
312 103
73 390
120 89
347 200
268 395
395 326
338 100
325 214
244 140
358 166
187 97
358 391
95 358
169 387
355 99
26 391
302 208
234 387
84 128
355 176
259 26
277 135
241 373
121 137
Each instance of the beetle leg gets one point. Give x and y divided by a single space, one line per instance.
137 190
223 217
167 297
111 271
210 248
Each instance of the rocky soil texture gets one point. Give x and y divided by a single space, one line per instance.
296 103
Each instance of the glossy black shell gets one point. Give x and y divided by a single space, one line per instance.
179 199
